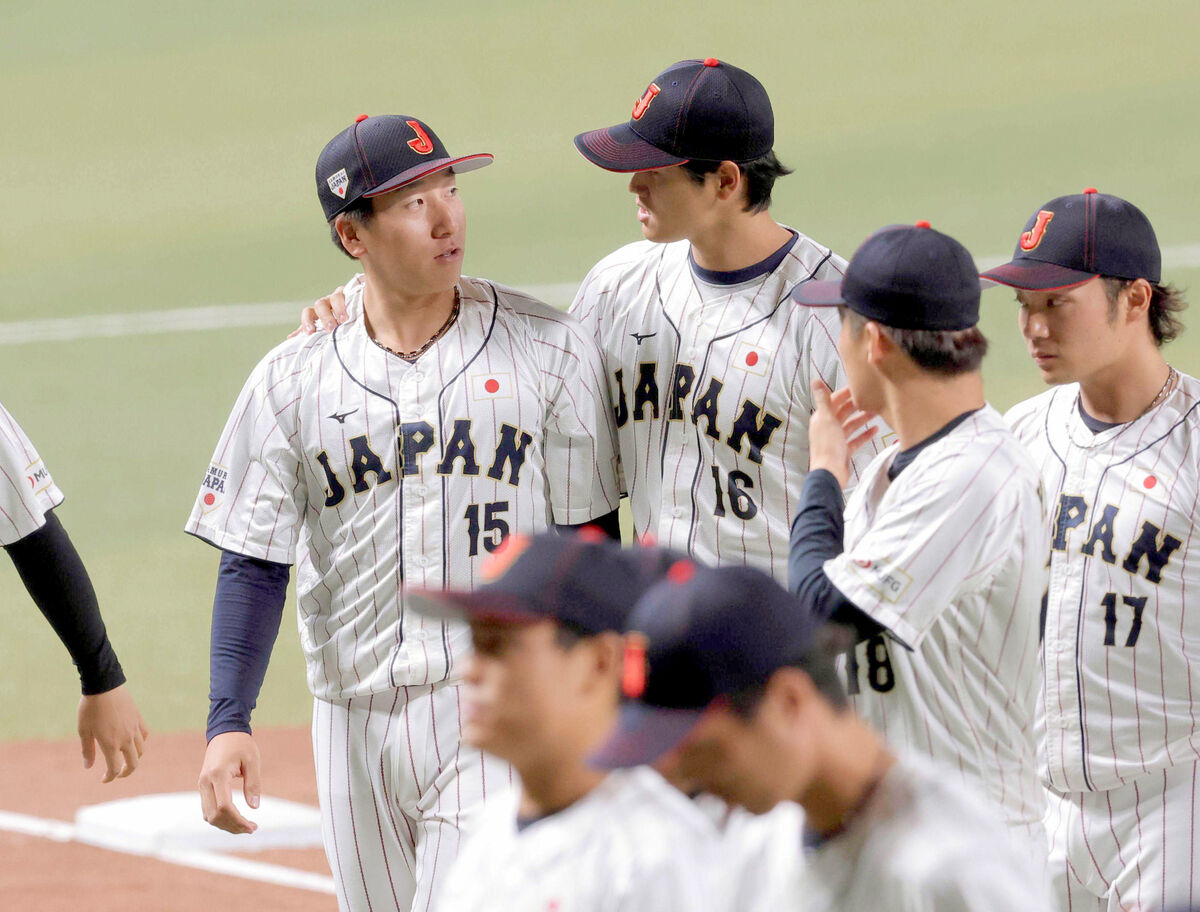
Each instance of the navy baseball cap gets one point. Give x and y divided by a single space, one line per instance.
906 277
378 154
693 640
705 110
1075 238
583 580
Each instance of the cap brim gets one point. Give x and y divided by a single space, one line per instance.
1032 275
457 165
819 294
620 149
643 734
465 606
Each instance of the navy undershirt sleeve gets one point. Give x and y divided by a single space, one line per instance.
247 610
817 536
59 585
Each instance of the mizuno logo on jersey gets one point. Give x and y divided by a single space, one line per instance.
753 425
340 417
1151 544
363 467
338 183
642 337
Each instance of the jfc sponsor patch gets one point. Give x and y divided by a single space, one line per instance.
38 477
493 385
212 489
338 183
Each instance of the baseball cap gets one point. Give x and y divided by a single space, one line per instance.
906 277
377 154
707 110
583 580
1075 238
694 639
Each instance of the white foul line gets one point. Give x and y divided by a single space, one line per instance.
214 862
286 314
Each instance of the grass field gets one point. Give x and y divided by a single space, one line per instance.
160 156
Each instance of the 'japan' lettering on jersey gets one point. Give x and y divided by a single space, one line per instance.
1122 664
711 389
950 557
922 842
374 474
27 492
632 844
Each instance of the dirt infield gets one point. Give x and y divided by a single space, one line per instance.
47 780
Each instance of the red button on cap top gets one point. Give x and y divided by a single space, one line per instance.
1091 190
923 224
711 61
360 118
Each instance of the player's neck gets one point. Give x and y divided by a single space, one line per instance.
924 404
404 322
737 242
1123 391
853 761
551 784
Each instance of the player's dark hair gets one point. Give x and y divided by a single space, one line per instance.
1165 302
760 176
821 667
568 635
944 352
359 212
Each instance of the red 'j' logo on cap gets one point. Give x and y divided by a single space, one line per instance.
422 144
639 106
1033 236
634 667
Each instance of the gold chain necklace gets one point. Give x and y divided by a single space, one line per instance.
416 353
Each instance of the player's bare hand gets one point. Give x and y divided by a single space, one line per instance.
112 721
836 430
229 757
325 313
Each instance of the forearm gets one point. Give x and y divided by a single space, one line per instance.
247 610
817 536
58 583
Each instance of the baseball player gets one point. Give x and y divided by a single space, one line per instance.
735 687
56 580
708 362
1116 441
542 692
396 451
940 566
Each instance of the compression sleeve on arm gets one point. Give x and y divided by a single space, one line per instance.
58 583
816 537
609 524
247 610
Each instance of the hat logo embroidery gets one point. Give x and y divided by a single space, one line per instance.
640 106
338 183
422 144
1031 238
634 667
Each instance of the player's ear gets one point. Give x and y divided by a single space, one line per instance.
729 180
1138 295
347 230
608 651
878 343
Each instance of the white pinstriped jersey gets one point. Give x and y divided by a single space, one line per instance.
633 844
950 557
922 842
373 474
761 855
711 391
27 492
1122 666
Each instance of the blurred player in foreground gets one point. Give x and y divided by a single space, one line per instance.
736 689
940 566
541 693
394 452
54 575
1118 444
